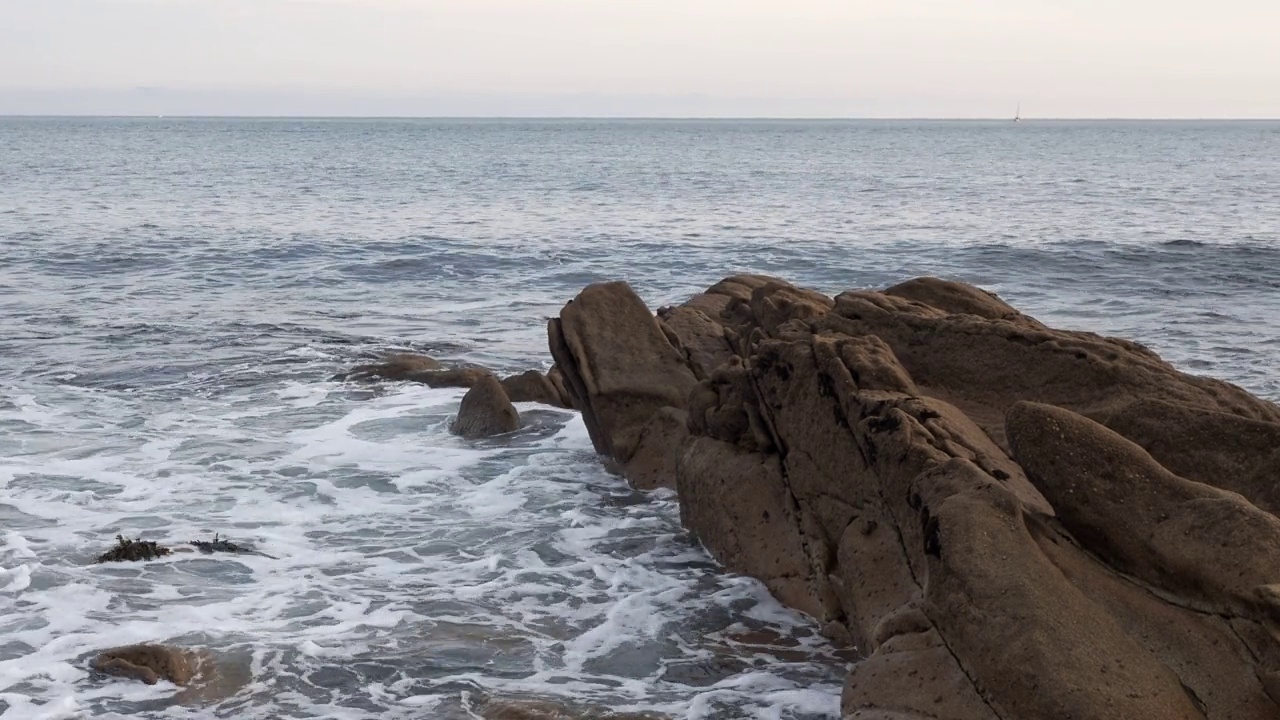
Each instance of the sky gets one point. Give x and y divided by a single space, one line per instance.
640 58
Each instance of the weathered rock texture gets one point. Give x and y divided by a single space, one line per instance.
485 411
1009 521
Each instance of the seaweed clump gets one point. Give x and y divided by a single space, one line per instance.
218 544
127 550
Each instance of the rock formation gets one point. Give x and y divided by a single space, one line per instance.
1008 521
150 663
485 411
533 386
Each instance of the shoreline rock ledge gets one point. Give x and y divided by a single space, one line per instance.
1010 522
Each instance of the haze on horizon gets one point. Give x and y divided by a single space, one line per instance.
665 58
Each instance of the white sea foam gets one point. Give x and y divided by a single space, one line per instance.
401 569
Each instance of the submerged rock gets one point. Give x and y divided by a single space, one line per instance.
127 550
398 366
485 411
539 709
409 367
150 663
1008 520
202 677
218 544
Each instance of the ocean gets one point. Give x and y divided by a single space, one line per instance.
176 295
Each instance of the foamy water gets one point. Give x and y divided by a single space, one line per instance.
174 296
409 567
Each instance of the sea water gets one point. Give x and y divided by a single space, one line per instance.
176 295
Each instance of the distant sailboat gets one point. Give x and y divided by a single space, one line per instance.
1017 114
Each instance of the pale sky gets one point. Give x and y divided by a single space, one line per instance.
777 58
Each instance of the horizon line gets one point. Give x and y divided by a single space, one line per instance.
798 118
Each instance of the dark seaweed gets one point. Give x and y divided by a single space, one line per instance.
127 550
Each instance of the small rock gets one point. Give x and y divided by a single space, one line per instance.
399 366
149 663
485 411
532 386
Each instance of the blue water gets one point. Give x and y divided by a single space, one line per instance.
176 294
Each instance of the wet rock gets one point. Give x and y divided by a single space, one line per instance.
150 663
455 378
399 366
704 673
203 677
556 377
416 368
736 502
220 544
486 411
1008 520
127 550
653 464
532 386
539 709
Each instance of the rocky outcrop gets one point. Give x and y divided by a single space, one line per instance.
485 411
1007 520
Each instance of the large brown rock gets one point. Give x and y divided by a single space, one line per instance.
485 411
618 366
1008 520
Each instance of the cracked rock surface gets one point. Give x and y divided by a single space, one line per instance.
1007 520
